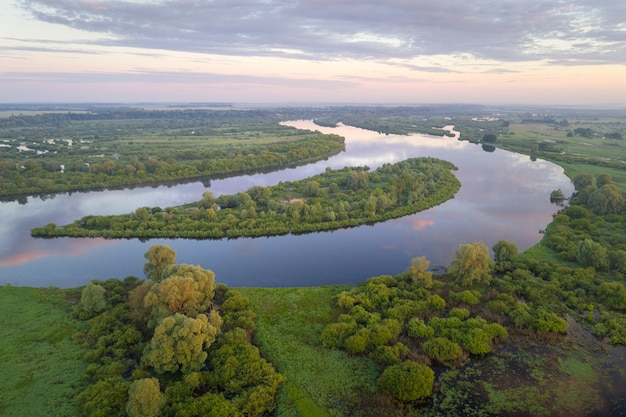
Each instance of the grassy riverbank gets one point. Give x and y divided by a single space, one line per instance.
575 373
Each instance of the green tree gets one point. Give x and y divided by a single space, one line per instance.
239 371
407 381
603 179
92 298
557 197
606 200
419 272
144 398
179 343
105 398
590 253
504 251
207 200
471 264
158 257
490 138
184 289
582 180
142 214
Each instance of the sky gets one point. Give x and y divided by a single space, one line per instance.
559 52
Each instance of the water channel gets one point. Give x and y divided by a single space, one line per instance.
504 195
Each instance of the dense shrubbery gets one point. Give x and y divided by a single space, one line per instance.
449 318
332 200
147 358
591 233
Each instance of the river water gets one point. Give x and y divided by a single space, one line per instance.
504 195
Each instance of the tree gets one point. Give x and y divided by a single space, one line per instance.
606 200
207 200
471 264
159 257
590 253
179 343
490 138
185 289
139 312
142 214
144 398
557 197
504 251
92 298
407 381
241 373
419 272
104 398
582 180
603 179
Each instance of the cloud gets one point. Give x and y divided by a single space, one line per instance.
164 77
502 30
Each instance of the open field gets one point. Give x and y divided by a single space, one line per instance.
595 154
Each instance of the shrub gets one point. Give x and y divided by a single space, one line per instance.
407 381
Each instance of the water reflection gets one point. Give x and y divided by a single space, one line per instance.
503 196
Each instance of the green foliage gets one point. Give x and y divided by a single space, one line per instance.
504 251
41 364
471 264
489 138
418 272
125 147
418 329
582 180
590 253
179 343
144 398
465 297
106 398
389 192
320 381
184 289
442 350
546 321
407 381
239 371
607 199
92 298
158 257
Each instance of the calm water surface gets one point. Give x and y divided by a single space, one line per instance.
503 196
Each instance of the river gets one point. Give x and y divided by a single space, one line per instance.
504 195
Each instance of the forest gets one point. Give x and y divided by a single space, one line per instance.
497 333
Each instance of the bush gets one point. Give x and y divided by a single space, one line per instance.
408 381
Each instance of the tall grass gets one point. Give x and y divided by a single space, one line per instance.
41 366
320 381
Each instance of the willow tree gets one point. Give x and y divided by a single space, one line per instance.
158 257
185 289
471 264
180 342
144 398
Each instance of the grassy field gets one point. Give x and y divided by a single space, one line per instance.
320 381
576 154
41 366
